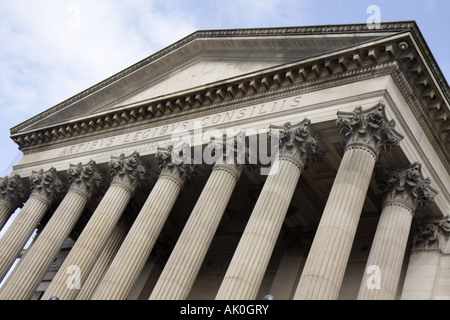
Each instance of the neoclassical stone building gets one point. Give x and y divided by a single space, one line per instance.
302 162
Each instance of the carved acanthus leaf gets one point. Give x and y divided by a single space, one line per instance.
13 191
230 151
370 128
431 234
176 162
129 171
86 178
406 185
298 142
46 184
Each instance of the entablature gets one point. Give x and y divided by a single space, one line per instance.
397 56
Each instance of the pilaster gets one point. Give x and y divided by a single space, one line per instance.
297 241
105 259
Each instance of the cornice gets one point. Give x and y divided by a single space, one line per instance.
204 34
243 100
396 56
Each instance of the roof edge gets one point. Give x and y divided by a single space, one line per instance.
427 54
216 33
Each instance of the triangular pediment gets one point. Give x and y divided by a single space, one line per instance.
205 58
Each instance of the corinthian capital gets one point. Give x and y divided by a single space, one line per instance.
175 163
429 234
13 191
85 179
230 152
406 186
128 171
46 185
369 128
298 142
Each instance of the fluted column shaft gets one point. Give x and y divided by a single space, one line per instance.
103 262
391 237
185 261
136 248
249 262
138 244
248 265
386 254
6 210
29 273
325 266
22 284
91 241
45 185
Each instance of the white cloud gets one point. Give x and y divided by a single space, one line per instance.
52 50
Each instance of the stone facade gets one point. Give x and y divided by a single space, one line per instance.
303 162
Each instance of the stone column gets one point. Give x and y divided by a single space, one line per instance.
403 190
45 187
181 269
141 238
298 144
127 173
13 193
428 271
21 285
367 133
104 261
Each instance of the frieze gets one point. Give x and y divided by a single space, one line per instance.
284 79
182 126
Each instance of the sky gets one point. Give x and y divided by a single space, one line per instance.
51 50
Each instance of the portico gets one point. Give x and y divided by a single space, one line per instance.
203 217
